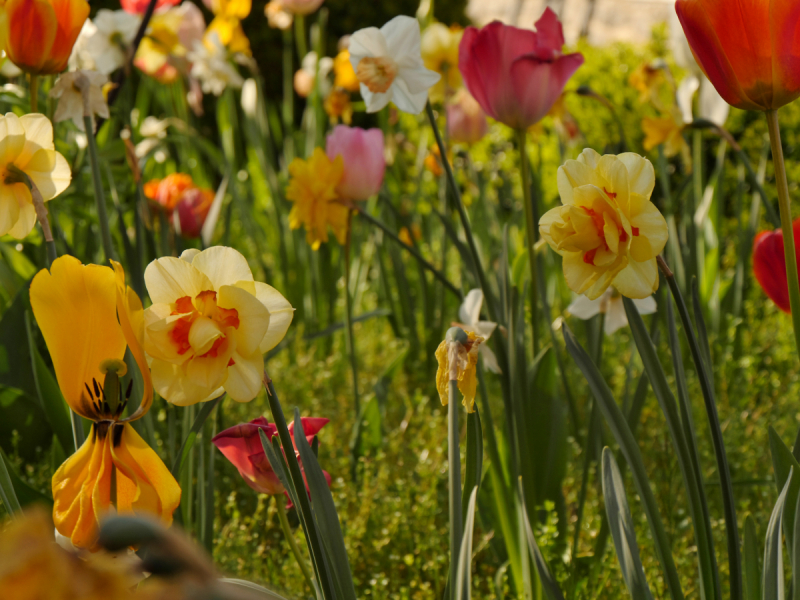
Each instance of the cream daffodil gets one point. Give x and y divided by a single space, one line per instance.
607 230
27 152
388 63
209 326
104 42
610 304
470 315
70 96
210 65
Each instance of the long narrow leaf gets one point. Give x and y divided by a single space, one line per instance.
622 433
464 573
772 584
474 462
7 493
187 444
549 583
752 570
621 524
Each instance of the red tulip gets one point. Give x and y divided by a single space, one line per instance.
748 49
241 444
192 210
769 264
516 75
139 7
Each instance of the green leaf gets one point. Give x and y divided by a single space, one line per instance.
549 583
7 493
752 570
622 433
197 425
25 493
474 459
464 572
622 531
783 461
772 583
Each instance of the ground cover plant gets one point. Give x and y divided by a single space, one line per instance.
423 311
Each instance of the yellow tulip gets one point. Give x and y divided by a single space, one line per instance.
466 359
607 231
88 318
209 326
27 151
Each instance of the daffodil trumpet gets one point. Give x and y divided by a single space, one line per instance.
89 319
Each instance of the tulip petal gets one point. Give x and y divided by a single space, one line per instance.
170 278
281 314
222 266
75 307
11 198
32 32
245 377
254 317
638 279
49 172
537 85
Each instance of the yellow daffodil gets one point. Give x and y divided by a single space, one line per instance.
439 48
27 155
227 24
667 130
607 231
210 325
344 74
312 188
88 318
32 567
648 79
457 361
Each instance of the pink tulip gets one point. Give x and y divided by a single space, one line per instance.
466 121
301 7
516 75
364 164
138 7
241 444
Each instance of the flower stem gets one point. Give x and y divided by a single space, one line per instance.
287 533
462 213
348 315
99 195
454 480
786 221
34 92
530 229
41 216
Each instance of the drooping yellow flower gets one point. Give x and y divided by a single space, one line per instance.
667 130
607 231
210 325
312 188
33 567
439 48
459 360
88 318
344 74
27 153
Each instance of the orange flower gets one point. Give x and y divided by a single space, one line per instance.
748 49
168 191
41 33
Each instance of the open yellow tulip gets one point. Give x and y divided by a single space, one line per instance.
209 326
89 317
607 230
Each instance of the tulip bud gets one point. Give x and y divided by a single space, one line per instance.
364 164
466 121
192 210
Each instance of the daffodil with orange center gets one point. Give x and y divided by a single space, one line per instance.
89 317
607 231
210 325
312 188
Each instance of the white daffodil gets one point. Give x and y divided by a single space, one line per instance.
711 106
310 69
388 63
610 304
103 44
69 91
210 65
470 315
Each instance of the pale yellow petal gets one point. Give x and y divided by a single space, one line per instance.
614 172
245 377
641 176
12 138
589 157
210 372
27 217
38 136
202 335
11 196
170 278
172 384
254 318
222 266
442 373
281 314
49 172
189 254
653 233
638 279
574 174
158 343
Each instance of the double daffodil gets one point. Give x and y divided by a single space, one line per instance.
89 317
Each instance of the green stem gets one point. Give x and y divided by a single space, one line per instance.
348 315
454 480
287 533
462 213
300 36
530 230
786 221
288 96
34 92
99 195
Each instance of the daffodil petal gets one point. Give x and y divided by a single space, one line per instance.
202 335
615 316
245 377
652 233
281 314
171 382
38 136
637 279
11 196
49 172
26 220
222 266
254 317
170 278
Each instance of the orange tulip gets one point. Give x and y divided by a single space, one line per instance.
747 48
41 33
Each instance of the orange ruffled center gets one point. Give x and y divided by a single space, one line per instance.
202 323
599 223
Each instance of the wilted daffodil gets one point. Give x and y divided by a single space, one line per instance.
312 188
88 318
457 356
607 231
210 325
27 155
